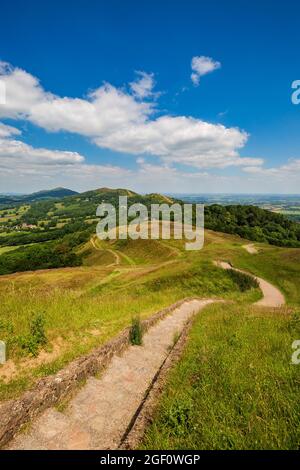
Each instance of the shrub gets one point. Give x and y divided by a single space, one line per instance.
178 417
242 280
136 332
37 329
36 337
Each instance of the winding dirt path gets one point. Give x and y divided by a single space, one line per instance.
116 255
272 297
125 257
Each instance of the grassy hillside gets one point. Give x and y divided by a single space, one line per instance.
235 375
57 219
85 306
253 223
49 233
234 387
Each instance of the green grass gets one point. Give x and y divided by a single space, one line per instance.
235 386
76 301
143 251
6 249
106 303
244 281
277 265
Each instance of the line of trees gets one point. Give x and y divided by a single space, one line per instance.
51 254
253 223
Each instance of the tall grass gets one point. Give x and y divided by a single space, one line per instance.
242 280
235 386
74 315
85 307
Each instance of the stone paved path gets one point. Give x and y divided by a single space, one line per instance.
272 297
98 416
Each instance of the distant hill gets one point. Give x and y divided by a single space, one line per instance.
79 210
109 191
46 234
55 193
49 194
110 195
95 195
161 198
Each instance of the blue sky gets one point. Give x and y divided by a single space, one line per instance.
101 94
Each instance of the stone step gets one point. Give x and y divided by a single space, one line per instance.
99 414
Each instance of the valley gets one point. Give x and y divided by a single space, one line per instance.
52 313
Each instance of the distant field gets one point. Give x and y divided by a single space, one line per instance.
291 213
288 205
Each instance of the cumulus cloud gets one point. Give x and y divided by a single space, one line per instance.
202 65
17 156
182 140
8 131
284 178
143 86
102 109
288 170
31 167
123 121
23 92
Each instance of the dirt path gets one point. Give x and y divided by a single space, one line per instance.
116 255
272 297
125 257
94 244
99 415
251 248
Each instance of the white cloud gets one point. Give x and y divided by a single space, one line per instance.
23 92
28 168
123 122
201 65
127 122
143 86
8 131
102 109
289 170
182 139
281 179
17 156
